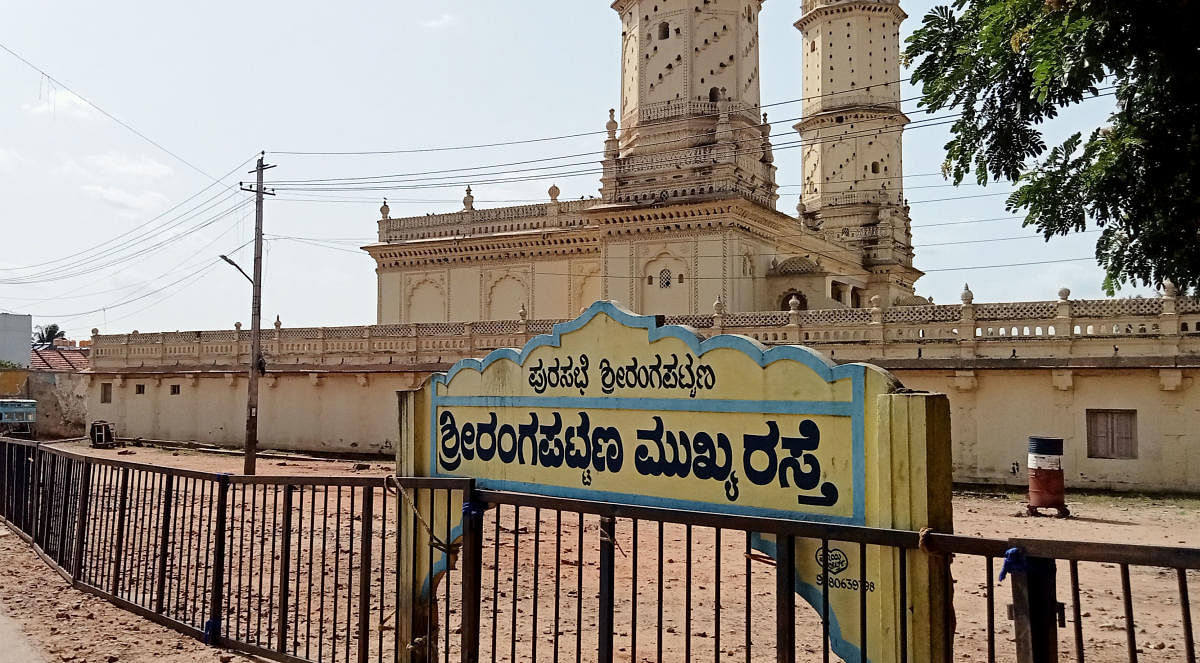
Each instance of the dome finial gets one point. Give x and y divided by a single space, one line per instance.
554 191
385 211
967 296
612 125
468 200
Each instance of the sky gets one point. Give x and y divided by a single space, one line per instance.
93 230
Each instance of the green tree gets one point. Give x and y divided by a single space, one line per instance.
1010 65
48 333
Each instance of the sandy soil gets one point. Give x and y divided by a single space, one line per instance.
68 625
35 595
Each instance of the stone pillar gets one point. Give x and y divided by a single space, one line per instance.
967 340
1064 325
1168 322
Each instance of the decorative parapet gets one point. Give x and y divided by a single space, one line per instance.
547 215
1049 329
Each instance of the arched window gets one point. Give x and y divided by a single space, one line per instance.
785 304
665 278
714 95
875 167
664 30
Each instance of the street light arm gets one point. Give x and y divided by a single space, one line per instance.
235 266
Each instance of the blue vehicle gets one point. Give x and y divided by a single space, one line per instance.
18 418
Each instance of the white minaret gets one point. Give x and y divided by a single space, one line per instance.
689 115
852 128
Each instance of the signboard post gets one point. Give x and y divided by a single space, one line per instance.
612 407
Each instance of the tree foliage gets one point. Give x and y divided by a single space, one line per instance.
1010 65
47 334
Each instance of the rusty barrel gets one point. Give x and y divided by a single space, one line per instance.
1046 489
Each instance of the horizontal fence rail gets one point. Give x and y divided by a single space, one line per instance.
309 569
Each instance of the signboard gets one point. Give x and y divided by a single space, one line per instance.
612 407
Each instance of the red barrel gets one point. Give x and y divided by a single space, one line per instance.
1046 487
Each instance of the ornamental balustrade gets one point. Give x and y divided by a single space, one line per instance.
1166 326
878 99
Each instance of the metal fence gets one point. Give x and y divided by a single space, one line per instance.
308 569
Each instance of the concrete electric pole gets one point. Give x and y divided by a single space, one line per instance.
257 362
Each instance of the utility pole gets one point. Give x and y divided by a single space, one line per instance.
257 362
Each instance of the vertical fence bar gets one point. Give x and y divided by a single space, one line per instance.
164 542
81 519
472 576
1185 607
1127 601
785 599
212 628
364 575
119 543
1076 611
1034 607
285 568
605 627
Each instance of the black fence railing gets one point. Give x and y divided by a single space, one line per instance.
309 568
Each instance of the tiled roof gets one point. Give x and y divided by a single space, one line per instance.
59 359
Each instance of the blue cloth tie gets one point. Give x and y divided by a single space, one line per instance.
1014 562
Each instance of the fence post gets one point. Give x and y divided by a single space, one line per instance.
1035 609
785 599
608 533
472 579
364 576
3 479
119 542
285 567
212 628
164 542
81 517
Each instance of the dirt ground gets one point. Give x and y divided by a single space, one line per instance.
37 598
72 626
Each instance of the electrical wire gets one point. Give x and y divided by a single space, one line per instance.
124 259
83 255
527 141
673 141
107 114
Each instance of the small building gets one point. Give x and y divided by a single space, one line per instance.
15 332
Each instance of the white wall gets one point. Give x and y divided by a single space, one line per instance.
16 331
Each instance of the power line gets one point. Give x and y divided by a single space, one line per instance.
399 184
80 255
370 178
107 114
575 135
123 260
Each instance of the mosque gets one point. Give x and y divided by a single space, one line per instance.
686 227
687 214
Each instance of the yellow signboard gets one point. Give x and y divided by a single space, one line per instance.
612 407
594 411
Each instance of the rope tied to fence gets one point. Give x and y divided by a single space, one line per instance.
435 542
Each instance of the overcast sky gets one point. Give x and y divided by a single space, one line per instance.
86 242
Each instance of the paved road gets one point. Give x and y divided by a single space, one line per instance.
15 647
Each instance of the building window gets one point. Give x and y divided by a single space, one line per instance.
664 30
875 167
1112 434
665 278
139 389
714 95
174 390
105 392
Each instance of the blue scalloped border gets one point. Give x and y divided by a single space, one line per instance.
764 356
